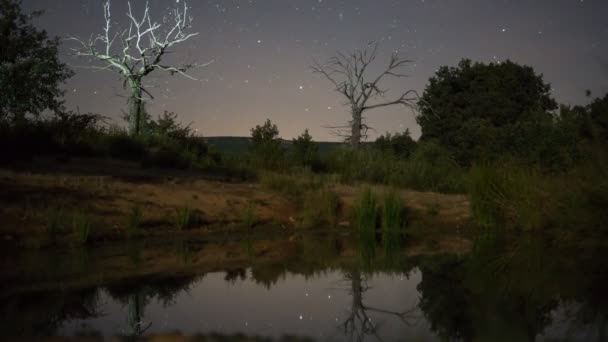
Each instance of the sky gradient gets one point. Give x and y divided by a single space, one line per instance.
262 52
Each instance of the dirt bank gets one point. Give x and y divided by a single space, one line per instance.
109 191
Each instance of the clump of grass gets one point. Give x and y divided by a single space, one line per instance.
394 220
185 217
394 215
81 226
248 215
320 206
365 211
135 220
507 195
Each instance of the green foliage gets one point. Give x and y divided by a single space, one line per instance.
185 217
81 226
467 108
365 217
400 144
304 150
266 151
508 195
248 215
394 214
430 167
320 207
365 212
31 72
168 125
135 219
292 185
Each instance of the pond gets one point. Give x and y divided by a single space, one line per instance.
318 287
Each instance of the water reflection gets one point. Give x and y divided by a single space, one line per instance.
358 324
321 287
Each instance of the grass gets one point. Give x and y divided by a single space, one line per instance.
394 220
429 168
320 207
248 215
185 217
365 211
293 185
393 213
81 226
134 221
509 196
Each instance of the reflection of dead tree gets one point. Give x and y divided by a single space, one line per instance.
359 324
349 74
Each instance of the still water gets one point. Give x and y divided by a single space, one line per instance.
321 288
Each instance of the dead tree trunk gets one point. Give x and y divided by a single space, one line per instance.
356 128
136 105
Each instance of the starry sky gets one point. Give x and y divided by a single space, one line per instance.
262 51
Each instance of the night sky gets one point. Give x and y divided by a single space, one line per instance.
263 49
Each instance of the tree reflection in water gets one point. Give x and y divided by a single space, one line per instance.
358 324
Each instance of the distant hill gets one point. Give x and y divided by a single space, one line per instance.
239 145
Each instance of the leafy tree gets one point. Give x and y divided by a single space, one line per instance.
168 125
598 115
400 144
266 147
304 149
467 107
30 69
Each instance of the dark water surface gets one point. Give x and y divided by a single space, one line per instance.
326 288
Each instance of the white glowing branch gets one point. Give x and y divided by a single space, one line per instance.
143 44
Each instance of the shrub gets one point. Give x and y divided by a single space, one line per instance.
304 150
266 149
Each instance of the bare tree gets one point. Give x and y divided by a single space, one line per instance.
138 50
350 75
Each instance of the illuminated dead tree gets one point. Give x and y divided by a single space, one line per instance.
350 76
137 51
